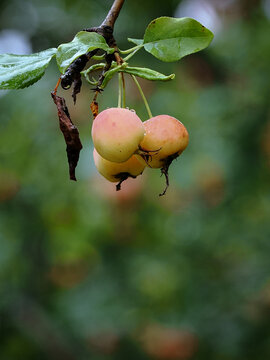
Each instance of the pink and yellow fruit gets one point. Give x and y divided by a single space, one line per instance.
116 134
116 172
165 139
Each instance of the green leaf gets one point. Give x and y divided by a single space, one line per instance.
144 73
20 71
93 67
170 39
108 75
147 74
136 41
83 42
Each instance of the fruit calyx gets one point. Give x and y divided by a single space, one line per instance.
122 177
165 170
147 154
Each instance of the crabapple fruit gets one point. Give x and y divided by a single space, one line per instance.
165 139
116 134
118 172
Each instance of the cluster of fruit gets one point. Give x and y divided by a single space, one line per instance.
124 145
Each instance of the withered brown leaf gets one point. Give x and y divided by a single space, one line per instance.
71 134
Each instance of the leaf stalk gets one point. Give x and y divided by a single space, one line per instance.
128 51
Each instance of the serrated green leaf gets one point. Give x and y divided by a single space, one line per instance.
170 39
147 74
136 41
20 71
83 42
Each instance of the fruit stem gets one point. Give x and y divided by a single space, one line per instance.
119 89
143 96
123 89
164 171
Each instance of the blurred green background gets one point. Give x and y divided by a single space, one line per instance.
88 273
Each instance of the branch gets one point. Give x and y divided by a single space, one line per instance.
72 74
113 13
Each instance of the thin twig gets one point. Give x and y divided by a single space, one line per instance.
113 13
107 25
56 86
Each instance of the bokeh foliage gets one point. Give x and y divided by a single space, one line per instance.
88 273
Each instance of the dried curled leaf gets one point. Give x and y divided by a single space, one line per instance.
71 134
